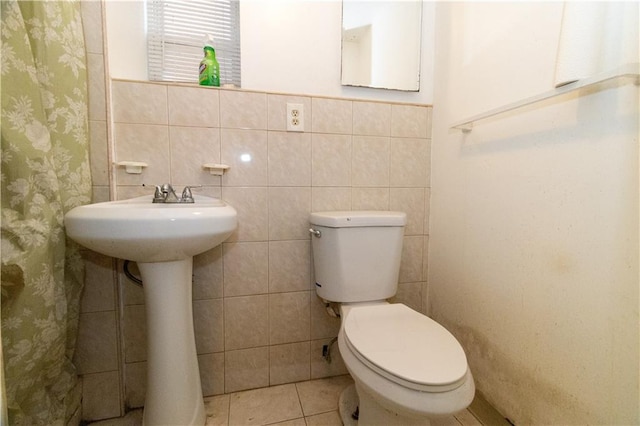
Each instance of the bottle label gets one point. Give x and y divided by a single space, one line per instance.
209 74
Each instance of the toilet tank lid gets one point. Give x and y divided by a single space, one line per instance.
359 218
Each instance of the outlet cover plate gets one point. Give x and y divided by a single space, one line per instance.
295 117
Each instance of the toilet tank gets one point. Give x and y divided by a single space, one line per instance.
356 256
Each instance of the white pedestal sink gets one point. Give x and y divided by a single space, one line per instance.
162 239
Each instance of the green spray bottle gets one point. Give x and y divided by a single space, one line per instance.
209 67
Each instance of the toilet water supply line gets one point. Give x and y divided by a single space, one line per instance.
326 349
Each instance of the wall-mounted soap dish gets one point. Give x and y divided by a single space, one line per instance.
216 169
132 167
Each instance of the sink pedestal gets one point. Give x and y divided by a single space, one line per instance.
174 393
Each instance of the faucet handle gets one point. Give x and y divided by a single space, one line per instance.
158 196
166 188
187 196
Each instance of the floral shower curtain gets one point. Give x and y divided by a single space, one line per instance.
44 173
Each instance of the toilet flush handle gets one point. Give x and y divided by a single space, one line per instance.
315 233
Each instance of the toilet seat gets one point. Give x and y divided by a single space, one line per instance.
406 347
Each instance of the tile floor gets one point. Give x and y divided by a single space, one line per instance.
310 403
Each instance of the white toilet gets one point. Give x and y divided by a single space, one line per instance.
406 367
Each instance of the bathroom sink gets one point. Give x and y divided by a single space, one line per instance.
162 238
141 231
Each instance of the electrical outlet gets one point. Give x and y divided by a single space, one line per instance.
295 117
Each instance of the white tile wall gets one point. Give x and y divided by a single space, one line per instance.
330 160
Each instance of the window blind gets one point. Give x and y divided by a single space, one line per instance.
176 30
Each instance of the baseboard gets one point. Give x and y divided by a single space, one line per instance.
485 413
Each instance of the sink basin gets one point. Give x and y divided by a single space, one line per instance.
139 230
162 239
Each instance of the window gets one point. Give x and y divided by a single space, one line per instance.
176 30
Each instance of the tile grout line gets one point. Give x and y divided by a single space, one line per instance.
298 392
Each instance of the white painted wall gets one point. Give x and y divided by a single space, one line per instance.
289 46
533 258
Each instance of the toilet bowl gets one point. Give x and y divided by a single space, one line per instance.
406 367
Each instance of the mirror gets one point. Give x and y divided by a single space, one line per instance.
381 44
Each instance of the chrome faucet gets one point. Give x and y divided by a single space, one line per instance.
166 194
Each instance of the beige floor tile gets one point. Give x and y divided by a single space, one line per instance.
320 396
283 406
445 421
294 422
264 406
217 410
332 418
